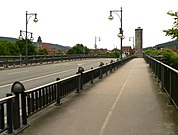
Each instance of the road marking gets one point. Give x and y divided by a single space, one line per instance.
28 80
79 64
115 102
6 85
25 71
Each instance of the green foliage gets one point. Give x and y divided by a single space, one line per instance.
42 51
170 58
8 48
173 32
3 48
22 46
175 61
116 53
19 47
78 49
151 52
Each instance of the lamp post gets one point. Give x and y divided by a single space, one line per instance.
28 16
96 40
120 35
132 38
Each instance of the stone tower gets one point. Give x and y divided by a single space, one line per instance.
138 42
39 42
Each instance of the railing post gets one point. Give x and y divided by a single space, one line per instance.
79 84
18 88
101 70
111 66
107 69
9 114
2 125
92 75
80 80
162 77
170 88
24 111
58 101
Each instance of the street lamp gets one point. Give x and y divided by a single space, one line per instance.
120 35
28 16
22 32
99 39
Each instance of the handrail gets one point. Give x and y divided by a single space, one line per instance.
22 104
13 61
167 76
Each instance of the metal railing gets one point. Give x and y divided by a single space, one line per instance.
167 76
13 61
6 112
25 103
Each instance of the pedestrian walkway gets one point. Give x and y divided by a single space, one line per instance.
127 102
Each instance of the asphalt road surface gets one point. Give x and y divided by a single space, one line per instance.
35 76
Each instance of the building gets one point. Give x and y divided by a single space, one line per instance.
139 42
127 50
39 42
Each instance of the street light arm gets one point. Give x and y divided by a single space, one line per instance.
117 15
30 15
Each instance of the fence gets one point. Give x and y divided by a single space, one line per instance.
6 61
168 77
24 103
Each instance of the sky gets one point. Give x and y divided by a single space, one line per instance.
71 22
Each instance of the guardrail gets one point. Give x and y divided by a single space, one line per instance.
13 61
6 114
167 76
25 103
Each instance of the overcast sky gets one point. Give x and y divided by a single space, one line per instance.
68 22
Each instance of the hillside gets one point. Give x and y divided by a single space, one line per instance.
52 46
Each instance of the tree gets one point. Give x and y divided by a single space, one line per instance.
116 53
42 51
13 49
3 48
22 46
8 48
173 32
78 49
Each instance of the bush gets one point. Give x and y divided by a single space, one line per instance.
170 58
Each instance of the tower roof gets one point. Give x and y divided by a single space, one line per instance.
39 40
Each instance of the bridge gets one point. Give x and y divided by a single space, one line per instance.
130 97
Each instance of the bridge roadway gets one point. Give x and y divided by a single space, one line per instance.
127 102
34 76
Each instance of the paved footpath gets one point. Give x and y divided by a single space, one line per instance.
127 102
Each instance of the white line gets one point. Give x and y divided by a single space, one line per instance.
47 75
10 84
115 102
28 80
18 72
80 64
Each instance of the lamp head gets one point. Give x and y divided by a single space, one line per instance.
121 36
31 38
20 36
110 17
35 20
